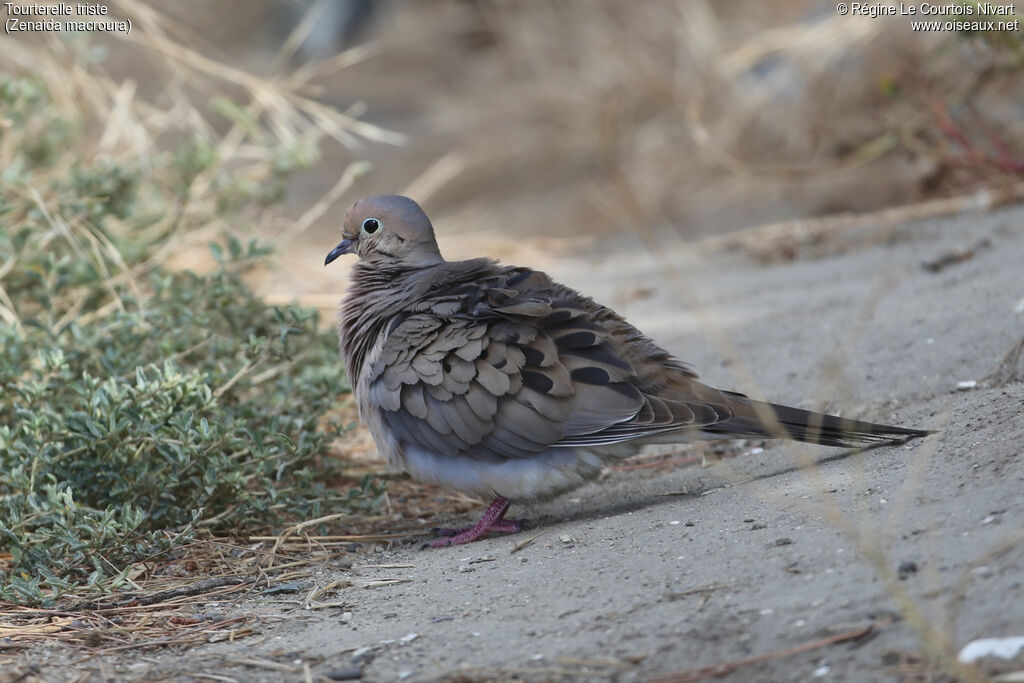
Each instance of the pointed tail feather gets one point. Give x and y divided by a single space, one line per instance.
758 418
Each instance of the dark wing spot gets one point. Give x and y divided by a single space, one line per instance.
534 356
602 353
591 375
537 381
559 316
577 340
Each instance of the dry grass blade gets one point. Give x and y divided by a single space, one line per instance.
525 542
1007 368
348 177
767 240
310 601
264 664
335 123
436 176
716 670
381 583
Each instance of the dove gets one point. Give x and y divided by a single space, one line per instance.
497 381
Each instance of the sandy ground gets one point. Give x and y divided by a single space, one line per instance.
656 571
653 572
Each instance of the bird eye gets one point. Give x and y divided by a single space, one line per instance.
371 225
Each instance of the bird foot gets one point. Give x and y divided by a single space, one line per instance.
492 522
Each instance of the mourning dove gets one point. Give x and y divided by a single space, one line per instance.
500 382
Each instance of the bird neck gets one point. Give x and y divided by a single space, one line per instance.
378 292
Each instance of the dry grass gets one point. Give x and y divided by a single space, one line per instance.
719 117
666 114
527 119
134 125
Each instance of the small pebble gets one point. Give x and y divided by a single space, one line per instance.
1006 647
349 674
906 569
890 658
363 655
783 541
984 571
966 385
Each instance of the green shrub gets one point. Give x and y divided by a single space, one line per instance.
137 403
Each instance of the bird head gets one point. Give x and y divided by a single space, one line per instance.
388 229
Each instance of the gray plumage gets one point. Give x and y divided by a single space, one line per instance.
498 381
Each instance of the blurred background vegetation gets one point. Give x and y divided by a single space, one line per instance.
166 199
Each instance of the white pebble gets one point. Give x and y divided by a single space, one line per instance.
1003 648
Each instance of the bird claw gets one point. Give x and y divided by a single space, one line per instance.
505 526
493 521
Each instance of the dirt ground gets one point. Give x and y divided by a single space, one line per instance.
899 555
656 571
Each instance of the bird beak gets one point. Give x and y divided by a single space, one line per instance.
346 246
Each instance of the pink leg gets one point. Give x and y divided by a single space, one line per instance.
492 521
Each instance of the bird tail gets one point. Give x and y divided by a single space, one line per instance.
759 418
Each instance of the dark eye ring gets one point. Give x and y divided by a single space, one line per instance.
371 225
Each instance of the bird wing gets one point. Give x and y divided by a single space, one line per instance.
516 364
